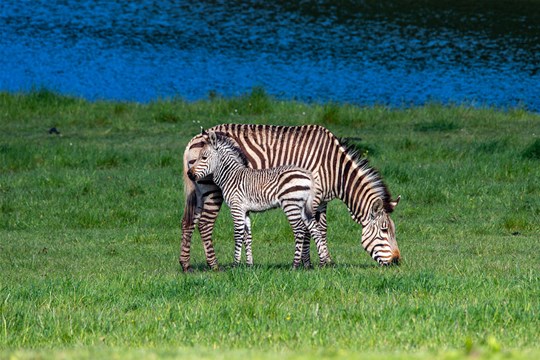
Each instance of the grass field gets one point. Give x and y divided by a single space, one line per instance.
90 235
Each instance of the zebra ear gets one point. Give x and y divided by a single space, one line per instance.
377 208
203 132
394 203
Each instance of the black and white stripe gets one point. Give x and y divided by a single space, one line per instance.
246 190
338 172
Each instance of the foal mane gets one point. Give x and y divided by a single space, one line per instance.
226 141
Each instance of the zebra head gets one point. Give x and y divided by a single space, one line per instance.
379 233
208 159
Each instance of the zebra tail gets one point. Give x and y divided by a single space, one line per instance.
189 192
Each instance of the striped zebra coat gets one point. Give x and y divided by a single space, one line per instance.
337 170
246 190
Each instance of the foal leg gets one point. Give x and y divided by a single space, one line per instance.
239 219
294 215
247 242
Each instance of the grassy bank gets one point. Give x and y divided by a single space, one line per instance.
90 232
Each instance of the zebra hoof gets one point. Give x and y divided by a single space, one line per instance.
326 264
216 268
187 269
307 265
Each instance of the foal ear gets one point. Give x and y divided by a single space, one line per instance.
212 138
203 132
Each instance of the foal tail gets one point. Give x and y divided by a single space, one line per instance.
309 207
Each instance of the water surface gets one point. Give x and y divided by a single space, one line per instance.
394 52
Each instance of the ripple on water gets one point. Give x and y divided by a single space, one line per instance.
396 52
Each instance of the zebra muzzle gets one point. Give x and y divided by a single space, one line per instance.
396 257
191 175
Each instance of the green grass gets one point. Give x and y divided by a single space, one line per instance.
90 235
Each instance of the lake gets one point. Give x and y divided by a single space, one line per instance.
395 53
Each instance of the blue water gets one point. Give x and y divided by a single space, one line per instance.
397 53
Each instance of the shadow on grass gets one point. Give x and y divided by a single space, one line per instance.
282 266
340 266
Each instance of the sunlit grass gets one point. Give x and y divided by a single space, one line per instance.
90 233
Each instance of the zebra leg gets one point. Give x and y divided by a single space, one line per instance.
247 242
320 217
324 255
192 212
211 201
306 239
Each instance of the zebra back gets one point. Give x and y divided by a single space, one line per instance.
337 168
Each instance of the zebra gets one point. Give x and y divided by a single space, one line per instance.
245 190
338 171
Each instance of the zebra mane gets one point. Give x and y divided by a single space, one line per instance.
226 141
363 164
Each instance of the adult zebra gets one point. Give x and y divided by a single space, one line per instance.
245 189
338 172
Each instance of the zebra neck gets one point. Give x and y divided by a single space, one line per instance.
354 187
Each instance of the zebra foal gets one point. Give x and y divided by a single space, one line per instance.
246 190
